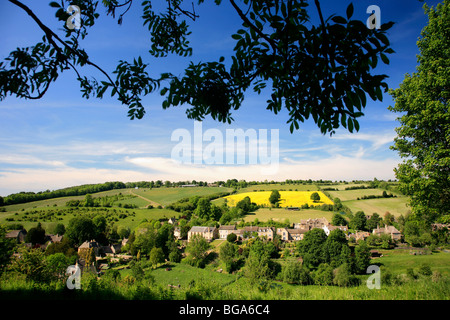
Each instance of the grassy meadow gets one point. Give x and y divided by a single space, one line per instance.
214 283
166 196
281 215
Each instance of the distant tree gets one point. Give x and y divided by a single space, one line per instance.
374 221
389 218
324 275
32 264
123 232
246 205
315 196
174 252
337 204
36 235
156 256
311 248
227 254
342 276
294 272
257 267
99 222
57 264
64 246
362 257
60 229
359 221
198 250
231 237
6 249
274 197
80 229
333 246
88 201
338 220
203 208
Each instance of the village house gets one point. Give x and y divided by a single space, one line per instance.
291 234
90 245
359 235
267 232
311 224
328 228
18 235
224 231
395 234
177 233
54 238
209 233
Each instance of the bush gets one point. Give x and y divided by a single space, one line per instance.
425 270
231 237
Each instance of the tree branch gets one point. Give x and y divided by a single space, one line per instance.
259 32
51 36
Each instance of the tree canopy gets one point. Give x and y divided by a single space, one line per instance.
423 139
324 71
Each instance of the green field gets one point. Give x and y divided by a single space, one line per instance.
346 195
211 284
396 206
280 215
166 196
399 260
279 187
53 211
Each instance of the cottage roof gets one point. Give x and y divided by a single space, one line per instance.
228 227
13 234
251 229
202 229
297 231
89 244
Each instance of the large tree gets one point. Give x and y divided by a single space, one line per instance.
423 139
323 71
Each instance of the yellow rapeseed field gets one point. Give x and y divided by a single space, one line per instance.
288 198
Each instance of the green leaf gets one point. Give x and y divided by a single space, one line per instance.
349 10
54 4
339 19
350 125
384 58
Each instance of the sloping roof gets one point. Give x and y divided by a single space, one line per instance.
55 237
297 231
202 229
228 227
89 244
12 234
251 229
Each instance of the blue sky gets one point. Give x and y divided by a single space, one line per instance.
63 139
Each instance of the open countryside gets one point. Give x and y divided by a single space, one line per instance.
220 268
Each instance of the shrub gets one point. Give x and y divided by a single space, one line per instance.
425 270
